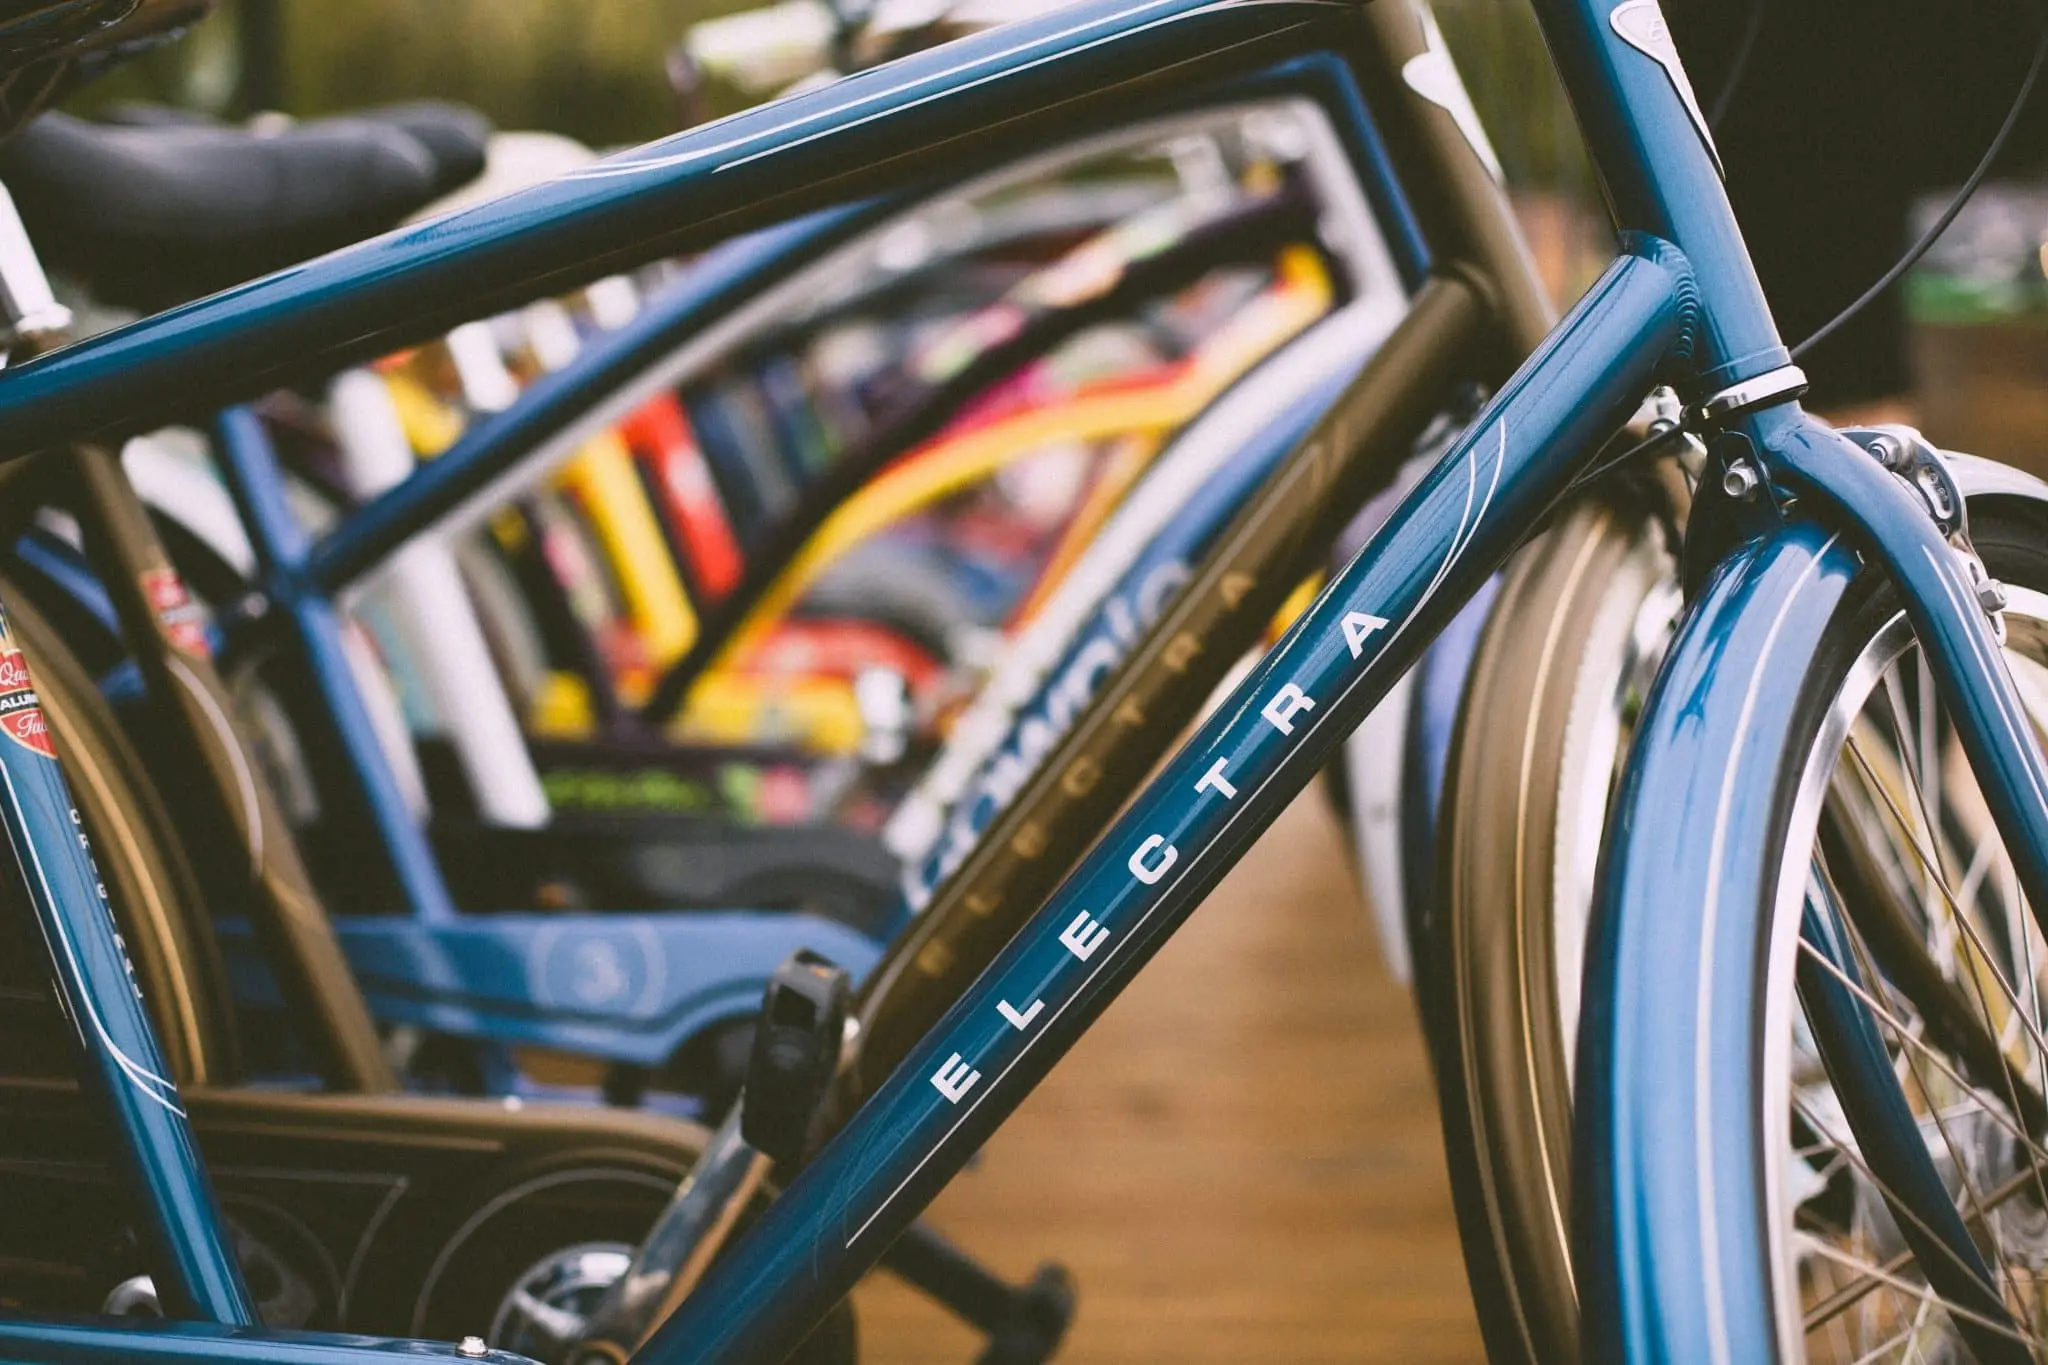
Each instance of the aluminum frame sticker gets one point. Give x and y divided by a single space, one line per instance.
21 712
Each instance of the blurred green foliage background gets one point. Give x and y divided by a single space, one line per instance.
593 68
589 68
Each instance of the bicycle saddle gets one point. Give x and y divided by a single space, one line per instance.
147 215
455 135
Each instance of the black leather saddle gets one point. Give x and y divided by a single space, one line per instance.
160 206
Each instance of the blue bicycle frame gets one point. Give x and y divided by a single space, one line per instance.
1679 304
506 978
1013 87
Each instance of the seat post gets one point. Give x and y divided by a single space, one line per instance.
31 319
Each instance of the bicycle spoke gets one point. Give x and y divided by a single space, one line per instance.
1862 993
1914 1340
1981 962
2028 676
1954 1050
1909 1336
1915 1293
1909 1164
1909 970
1902 1209
1961 920
2032 1151
1846 1297
1912 735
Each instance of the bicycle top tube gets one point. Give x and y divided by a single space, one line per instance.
687 319
970 101
1661 173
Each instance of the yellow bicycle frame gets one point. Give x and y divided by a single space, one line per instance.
1303 294
728 706
606 486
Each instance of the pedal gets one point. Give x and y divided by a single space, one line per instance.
1040 1313
796 1054
789 1080
1025 1324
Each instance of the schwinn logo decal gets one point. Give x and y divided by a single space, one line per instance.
1642 26
21 714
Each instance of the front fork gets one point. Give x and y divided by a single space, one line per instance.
1677 1001
1952 610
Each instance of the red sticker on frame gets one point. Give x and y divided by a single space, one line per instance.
184 620
21 715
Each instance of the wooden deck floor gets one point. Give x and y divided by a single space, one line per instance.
1239 1163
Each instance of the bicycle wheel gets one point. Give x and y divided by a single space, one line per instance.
1573 640
150 884
1880 1192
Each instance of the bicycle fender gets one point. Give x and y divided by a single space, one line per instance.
1669 1267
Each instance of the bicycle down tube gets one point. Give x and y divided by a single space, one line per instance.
1185 828
1021 854
1471 324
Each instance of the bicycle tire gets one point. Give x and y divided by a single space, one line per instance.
151 885
1748 1309
1535 728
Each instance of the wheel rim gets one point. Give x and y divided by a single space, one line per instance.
1888 774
